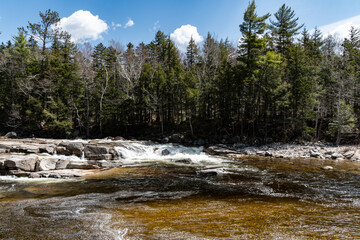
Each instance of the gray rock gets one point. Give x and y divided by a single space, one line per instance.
25 148
70 148
21 162
50 149
61 164
260 153
208 172
165 152
18 173
185 161
356 156
268 154
314 154
218 150
96 152
176 138
11 135
81 165
34 175
336 155
45 164
349 154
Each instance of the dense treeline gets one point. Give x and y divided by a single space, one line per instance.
280 82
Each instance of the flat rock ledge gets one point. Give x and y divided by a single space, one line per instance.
46 158
292 151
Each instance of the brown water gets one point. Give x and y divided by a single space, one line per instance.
253 199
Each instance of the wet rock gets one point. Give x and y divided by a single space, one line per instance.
218 150
11 135
184 161
176 138
349 154
45 164
61 164
65 173
95 152
34 175
268 154
81 165
260 153
327 168
50 149
208 172
356 156
314 154
18 173
165 152
24 148
20 162
70 148
118 138
109 164
336 156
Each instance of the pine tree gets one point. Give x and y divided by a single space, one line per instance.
284 28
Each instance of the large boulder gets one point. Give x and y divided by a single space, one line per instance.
96 152
62 164
21 162
45 164
176 138
70 148
50 149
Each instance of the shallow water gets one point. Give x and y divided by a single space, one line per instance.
156 198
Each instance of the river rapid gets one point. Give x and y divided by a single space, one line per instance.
187 194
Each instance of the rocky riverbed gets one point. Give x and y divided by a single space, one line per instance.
37 158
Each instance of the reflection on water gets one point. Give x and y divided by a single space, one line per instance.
252 199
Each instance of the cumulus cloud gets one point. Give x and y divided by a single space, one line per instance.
130 23
181 36
83 25
342 28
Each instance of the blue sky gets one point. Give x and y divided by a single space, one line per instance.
145 17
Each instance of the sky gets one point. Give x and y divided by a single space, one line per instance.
138 20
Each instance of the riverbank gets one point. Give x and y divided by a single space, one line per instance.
51 158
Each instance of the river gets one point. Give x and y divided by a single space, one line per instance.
171 197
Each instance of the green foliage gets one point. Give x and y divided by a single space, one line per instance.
269 86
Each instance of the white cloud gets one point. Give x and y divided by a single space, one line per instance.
156 26
82 25
115 25
181 36
342 28
130 23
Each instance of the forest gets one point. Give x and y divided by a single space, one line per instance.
281 82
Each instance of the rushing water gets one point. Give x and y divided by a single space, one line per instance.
162 197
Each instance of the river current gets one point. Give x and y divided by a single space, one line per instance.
184 193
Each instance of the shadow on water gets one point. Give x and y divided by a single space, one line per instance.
249 198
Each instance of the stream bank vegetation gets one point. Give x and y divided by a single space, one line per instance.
280 82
